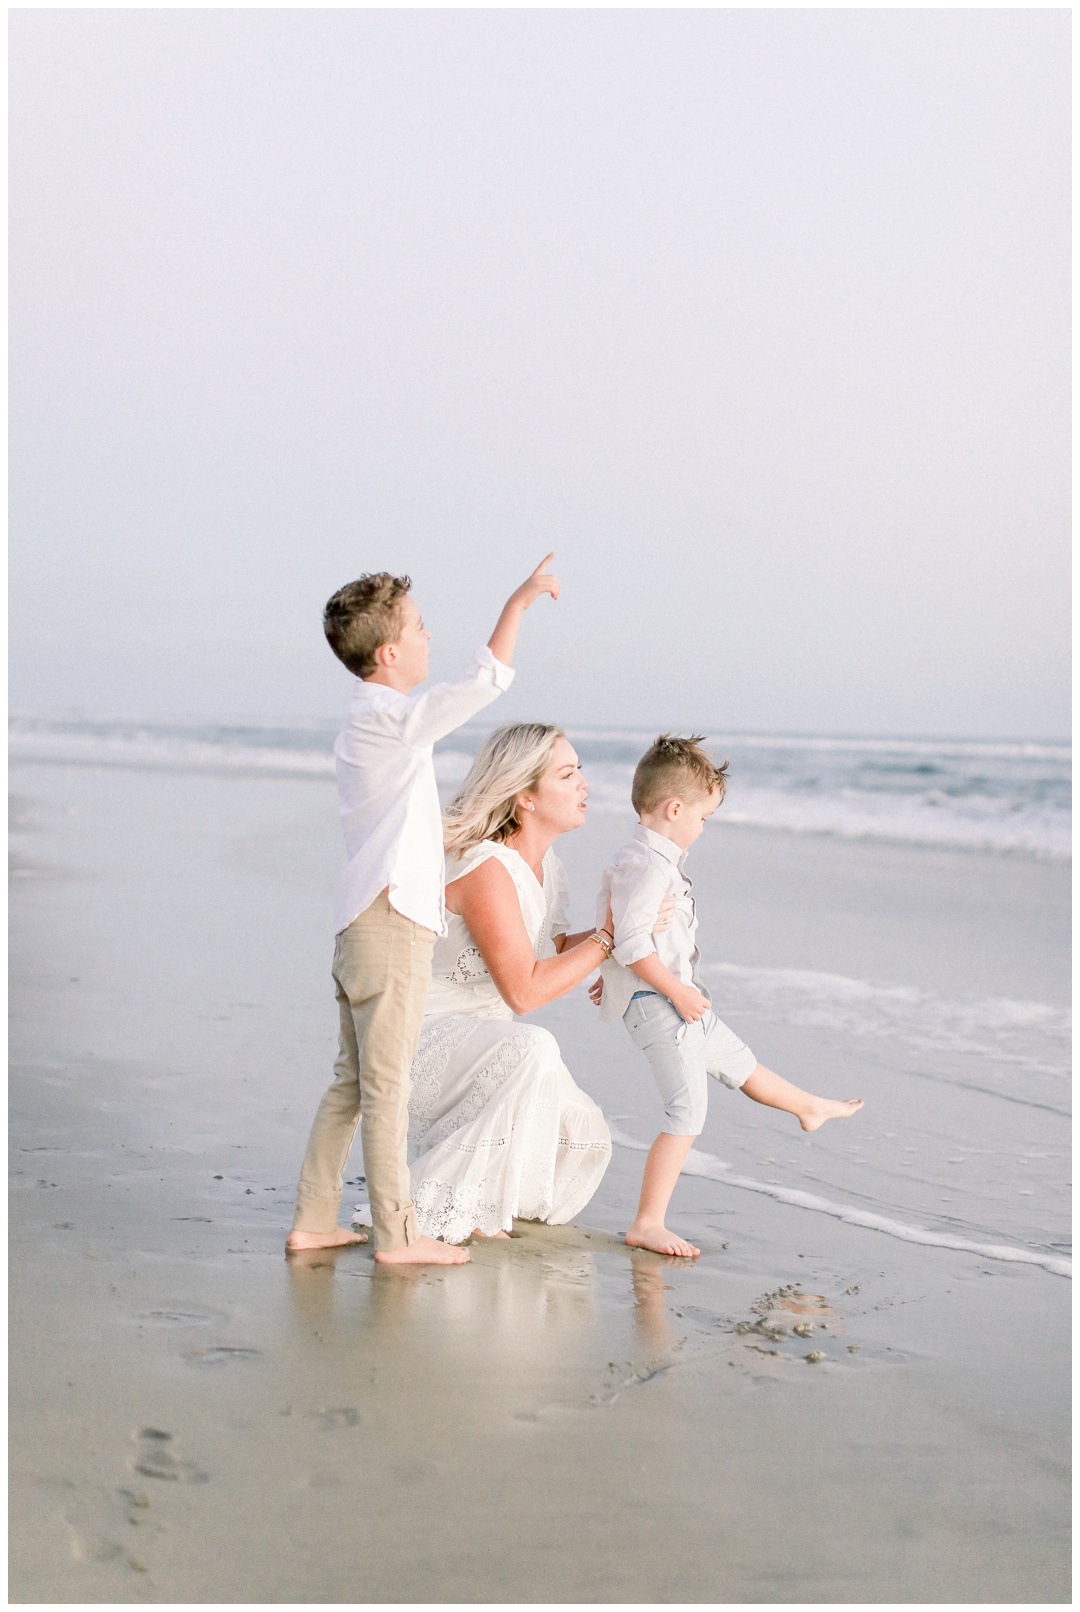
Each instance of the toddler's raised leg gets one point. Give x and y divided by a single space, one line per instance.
764 1086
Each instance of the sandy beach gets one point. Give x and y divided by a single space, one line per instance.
194 1418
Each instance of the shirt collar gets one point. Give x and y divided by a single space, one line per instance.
659 842
375 693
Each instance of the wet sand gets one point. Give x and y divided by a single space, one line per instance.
194 1418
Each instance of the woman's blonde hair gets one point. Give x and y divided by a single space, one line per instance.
510 759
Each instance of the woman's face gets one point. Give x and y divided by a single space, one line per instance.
558 797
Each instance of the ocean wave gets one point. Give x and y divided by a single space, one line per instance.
999 796
158 752
972 822
1031 1036
1056 751
927 817
714 1169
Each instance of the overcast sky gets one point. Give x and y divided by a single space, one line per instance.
758 318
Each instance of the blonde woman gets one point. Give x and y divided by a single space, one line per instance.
500 1128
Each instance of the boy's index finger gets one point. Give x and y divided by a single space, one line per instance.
544 563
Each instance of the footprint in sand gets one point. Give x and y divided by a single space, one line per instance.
94 1547
176 1316
154 1459
344 1416
223 1355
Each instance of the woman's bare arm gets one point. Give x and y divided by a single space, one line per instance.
488 902
663 921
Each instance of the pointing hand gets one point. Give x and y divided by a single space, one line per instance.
540 582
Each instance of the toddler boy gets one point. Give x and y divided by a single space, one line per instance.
390 898
651 981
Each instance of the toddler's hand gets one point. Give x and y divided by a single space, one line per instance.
689 1004
664 916
596 990
542 581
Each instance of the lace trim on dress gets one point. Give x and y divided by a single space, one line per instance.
439 1038
470 966
449 1213
504 1060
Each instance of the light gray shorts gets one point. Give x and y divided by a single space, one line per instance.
682 1055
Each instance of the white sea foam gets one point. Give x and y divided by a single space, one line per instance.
933 818
1026 1035
714 1169
156 752
926 817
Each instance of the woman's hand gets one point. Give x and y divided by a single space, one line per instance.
596 990
608 924
663 917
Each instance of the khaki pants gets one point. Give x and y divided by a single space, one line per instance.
382 969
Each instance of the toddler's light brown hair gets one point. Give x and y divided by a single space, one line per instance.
673 766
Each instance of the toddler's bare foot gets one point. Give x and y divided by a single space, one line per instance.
489 1236
424 1251
660 1240
297 1241
827 1108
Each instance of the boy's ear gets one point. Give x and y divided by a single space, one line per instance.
672 808
386 654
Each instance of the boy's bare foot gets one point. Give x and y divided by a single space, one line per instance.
661 1241
298 1241
827 1108
488 1236
424 1251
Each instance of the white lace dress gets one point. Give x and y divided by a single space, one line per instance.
499 1127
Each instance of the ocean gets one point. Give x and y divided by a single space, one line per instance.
1007 796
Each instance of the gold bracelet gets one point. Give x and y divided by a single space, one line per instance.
602 943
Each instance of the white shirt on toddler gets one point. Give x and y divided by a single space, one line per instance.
639 876
387 795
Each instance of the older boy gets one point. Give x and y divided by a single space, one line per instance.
652 983
390 898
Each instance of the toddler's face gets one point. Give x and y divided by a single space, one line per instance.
686 823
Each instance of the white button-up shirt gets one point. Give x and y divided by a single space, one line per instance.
638 878
387 795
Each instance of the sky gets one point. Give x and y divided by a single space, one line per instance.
758 318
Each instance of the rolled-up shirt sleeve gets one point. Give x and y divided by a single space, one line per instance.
430 716
636 893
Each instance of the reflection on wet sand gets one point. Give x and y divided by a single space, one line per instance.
650 1309
523 1314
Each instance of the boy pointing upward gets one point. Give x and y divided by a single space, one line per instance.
390 898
